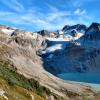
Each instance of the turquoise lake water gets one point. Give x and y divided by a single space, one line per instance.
92 79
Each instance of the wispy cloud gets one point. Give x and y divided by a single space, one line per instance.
13 4
55 13
79 3
80 12
53 19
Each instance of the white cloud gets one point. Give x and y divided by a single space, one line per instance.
54 15
13 4
80 12
52 20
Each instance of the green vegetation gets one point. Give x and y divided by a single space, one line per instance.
9 73
96 97
17 93
71 94
4 48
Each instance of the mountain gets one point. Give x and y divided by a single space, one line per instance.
81 55
74 32
93 29
31 61
78 27
92 35
63 37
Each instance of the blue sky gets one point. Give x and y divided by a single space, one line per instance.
34 15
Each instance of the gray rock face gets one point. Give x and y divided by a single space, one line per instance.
77 27
76 59
44 33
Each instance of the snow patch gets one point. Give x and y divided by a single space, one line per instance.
6 31
60 44
52 48
78 36
56 39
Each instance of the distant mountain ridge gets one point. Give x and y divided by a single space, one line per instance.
78 27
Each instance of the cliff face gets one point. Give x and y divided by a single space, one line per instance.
74 59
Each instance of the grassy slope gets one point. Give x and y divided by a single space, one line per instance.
18 82
14 92
17 85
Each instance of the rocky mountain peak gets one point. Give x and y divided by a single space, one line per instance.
94 27
93 32
7 27
78 27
